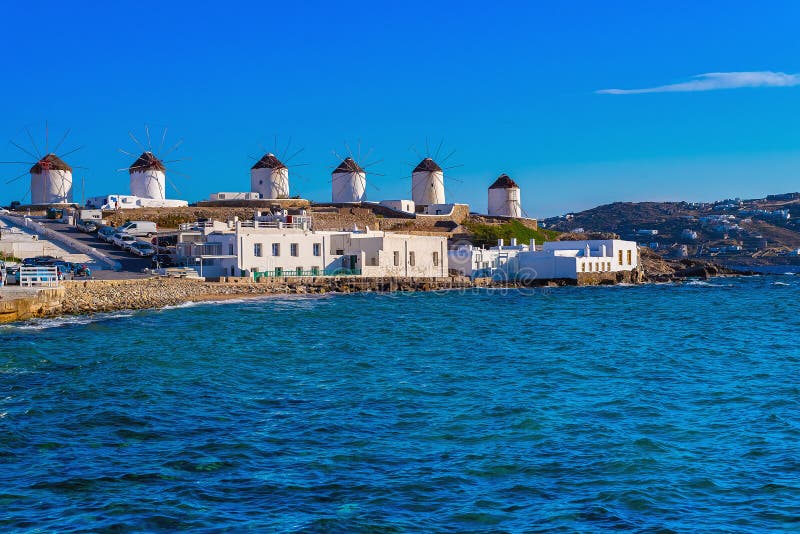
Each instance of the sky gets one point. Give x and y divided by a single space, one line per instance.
582 103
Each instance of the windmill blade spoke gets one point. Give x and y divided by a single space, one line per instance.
147 133
439 148
17 177
286 150
172 171
46 138
15 162
31 154
128 153
175 187
293 155
137 141
36 148
163 139
444 160
73 151
174 147
63 138
452 167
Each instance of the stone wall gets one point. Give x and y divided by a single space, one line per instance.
23 305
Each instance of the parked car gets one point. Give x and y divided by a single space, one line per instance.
105 233
12 276
38 260
87 226
139 228
121 239
142 249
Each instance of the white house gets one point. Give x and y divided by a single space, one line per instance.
129 202
482 262
406 206
276 248
554 260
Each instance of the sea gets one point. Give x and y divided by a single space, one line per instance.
654 408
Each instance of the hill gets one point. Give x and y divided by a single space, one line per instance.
734 231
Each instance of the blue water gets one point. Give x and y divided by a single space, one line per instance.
653 408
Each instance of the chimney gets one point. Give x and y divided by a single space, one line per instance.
513 241
532 245
588 252
603 251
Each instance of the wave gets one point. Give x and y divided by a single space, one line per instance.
66 320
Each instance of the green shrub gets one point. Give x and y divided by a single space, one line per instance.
486 235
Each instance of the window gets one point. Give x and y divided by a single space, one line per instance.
257 250
317 249
396 258
630 254
583 267
340 251
411 259
435 259
373 261
276 249
230 249
293 249
620 257
315 271
299 271
608 266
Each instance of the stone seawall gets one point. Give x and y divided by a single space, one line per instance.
81 297
29 304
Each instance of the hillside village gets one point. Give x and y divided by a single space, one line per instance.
731 231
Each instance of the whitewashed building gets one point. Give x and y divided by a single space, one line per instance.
504 198
270 178
553 260
130 202
406 206
51 181
148 178
427 183
275 248
348 182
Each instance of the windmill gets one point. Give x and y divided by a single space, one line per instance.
148 173
349 179
504 197
51 176
427 178
269 176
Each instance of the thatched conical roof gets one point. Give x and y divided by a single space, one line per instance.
504 182
269 161
427 165
50 162
147 162
348 165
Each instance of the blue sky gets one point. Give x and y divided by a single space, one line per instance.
512 87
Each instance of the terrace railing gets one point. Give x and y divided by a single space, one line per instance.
285 273
37 276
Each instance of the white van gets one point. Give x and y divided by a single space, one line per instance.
139 228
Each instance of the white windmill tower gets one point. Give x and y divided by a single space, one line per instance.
269 177
50 175
148 177
427 183
148 173
349 182
51 181
504 198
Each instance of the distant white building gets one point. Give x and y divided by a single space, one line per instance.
554 260
251 195
277 248
129 202
504 198
406 206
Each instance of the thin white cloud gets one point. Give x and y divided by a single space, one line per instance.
712 81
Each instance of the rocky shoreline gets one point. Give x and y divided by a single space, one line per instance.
97 296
